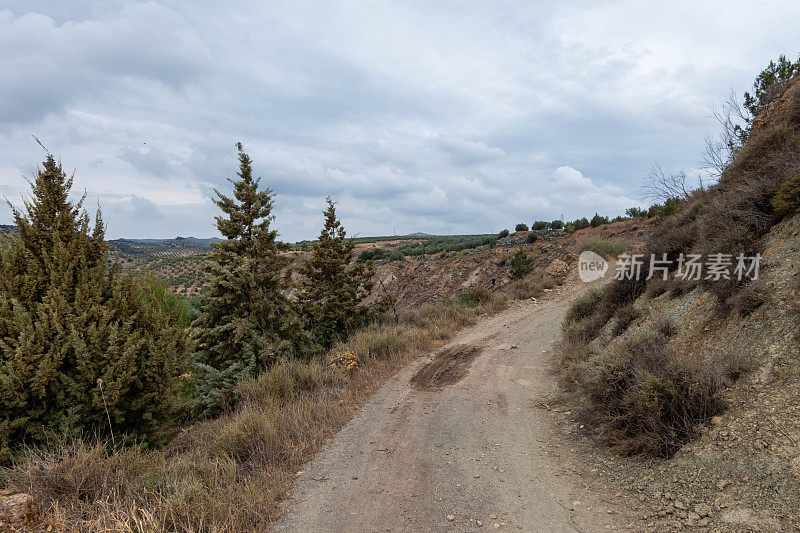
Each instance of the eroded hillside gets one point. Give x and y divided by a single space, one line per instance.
447 275
704 373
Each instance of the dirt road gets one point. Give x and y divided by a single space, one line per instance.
458 443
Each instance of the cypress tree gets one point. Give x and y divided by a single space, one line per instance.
69 323
333 286
247 320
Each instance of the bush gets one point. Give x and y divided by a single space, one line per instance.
787 201
521 227
521 265
748 298
531 286
624 317
475 297
665 327
83 347
657 286
668 208
525 289
584 306
647 399
531 238
636 212
503 234
602 246
557 224
680 286
584 330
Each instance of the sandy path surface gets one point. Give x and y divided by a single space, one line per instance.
467 455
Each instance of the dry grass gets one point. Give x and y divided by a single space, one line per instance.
230 473
602 246
531 286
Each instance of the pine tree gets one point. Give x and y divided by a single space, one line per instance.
247 320
333 287
69 323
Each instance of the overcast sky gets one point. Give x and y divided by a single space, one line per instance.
442 117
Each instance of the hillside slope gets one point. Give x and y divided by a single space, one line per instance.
706 374
742 471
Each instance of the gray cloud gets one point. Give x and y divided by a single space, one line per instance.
57 65
411 114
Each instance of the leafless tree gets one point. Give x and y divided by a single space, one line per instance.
734 119
660 185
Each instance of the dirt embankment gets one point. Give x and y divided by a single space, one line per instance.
742 471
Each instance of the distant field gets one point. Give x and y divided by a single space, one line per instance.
177 262
144 249
183 274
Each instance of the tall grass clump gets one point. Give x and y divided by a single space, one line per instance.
602 246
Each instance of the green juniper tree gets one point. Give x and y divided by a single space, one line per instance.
79 343
521 265
247 320
332 288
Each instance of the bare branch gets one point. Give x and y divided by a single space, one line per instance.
660 185
734 118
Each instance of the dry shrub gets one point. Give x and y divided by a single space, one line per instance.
590 312
680 286
584 306
532 286
730 364
665 327
482 300
585 330
624 317
645 399
657 286
748 298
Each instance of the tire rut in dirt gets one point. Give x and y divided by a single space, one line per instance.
449 366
